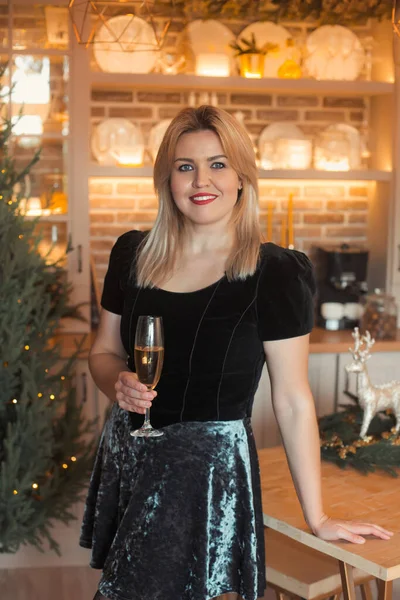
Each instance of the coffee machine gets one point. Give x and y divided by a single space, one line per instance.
341 274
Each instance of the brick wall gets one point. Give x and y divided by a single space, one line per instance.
325 213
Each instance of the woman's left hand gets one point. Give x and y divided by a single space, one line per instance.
353 531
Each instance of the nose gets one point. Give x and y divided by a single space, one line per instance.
201 178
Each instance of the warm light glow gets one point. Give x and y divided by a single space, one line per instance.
31 125
40 395
34 207
30 86
52 396
293 154
35 486
325 164
128 157
213 65
65 466
15 492
27 347
15 401
73 458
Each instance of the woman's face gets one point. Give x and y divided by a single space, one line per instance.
203 184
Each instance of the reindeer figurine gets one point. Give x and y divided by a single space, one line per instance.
372 398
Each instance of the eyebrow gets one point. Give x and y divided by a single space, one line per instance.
209 159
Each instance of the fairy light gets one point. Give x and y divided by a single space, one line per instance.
62 377
9 202
21 236
26 347
14 401
15 492
19 301
52 396
73 458
46 370
40 395
35 486
65 466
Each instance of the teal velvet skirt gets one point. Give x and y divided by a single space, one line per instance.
177 517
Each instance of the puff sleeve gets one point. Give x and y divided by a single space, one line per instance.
285 296
121 257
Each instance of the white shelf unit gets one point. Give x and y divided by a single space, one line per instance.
273 86
384 142
97 170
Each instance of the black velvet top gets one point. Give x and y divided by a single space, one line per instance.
213 336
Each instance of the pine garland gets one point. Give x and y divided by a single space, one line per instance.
341 444
343 12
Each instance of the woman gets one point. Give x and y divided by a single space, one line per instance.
179 517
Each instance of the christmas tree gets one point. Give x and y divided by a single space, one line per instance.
46 444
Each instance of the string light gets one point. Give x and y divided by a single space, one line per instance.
40 395
35 486
46 370
19 300
52 396
14 401
26 347
15 492
9 202
21 236
73 458
65 466
62 377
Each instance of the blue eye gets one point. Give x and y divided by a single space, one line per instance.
218 165
185 167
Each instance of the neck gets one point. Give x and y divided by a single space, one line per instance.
200 239
363 382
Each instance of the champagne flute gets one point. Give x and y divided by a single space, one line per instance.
149 357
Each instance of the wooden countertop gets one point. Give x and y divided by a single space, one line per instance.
372 498
321 342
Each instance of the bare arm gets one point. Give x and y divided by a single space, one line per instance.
287 362
107 364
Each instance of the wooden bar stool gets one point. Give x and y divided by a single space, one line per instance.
295 571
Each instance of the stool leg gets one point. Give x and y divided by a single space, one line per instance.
385 589
366 593
346 573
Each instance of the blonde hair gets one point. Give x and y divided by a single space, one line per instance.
158 252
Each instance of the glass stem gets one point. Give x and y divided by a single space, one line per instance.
146 423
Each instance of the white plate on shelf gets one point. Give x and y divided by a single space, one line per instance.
113 136
157 133
206 37
266 31
354 139
334 52
134 52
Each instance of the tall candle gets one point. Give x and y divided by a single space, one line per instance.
283 231
290 222
269 221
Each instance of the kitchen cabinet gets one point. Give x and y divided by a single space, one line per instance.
322 379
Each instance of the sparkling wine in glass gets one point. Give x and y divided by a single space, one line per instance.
149 357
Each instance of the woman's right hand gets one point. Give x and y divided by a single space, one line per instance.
131 394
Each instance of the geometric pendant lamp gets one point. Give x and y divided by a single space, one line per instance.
89 16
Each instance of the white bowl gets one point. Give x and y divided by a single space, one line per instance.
332 310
